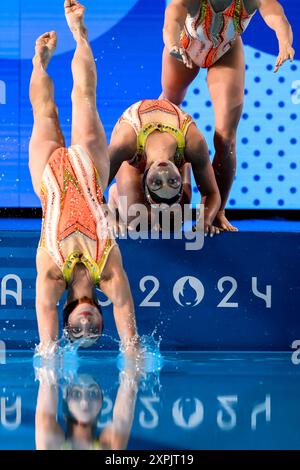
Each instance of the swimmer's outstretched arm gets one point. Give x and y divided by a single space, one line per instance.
122 147
48 292
274 16
175 18
197 154
115 286
48 433
116 435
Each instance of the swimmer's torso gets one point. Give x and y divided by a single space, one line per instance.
212 26
148 116
74 224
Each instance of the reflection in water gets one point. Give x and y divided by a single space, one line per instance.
197 401
82 398
82 406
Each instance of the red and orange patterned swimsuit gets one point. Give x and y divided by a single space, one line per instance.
148 116
208 35
74 228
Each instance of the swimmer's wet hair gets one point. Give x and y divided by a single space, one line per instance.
68 309
69 417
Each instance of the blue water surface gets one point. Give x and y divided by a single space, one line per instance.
192 400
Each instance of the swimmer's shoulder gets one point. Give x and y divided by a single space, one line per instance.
124 136
47 268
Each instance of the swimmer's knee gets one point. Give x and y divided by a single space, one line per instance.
84 92
225 139
45 109
175 97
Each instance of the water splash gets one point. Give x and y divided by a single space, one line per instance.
52 367
110 338
142 364
60 354
145 357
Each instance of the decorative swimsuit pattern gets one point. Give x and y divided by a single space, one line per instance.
208 35
74 224
172 120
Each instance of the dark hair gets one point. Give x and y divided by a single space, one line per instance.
68 309
70 419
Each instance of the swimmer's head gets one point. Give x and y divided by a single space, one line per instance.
83 321
162 183
83 400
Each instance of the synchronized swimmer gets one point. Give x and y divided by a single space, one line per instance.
76 251
153 149
207 34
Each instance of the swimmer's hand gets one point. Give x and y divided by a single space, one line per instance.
117 229
116 226
286 52
180 54
209 229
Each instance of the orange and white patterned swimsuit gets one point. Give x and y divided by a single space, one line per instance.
148 116
74 228
208 35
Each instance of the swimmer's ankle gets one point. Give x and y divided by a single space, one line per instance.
80 33
39 64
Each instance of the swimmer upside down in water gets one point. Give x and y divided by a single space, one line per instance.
207 34
83 402
76 250
153 148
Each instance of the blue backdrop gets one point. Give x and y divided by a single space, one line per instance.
127 42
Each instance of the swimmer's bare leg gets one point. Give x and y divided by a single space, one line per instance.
87 129
226 83
176 78
46 135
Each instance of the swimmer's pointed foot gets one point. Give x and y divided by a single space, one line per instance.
74 12
44 48
223 223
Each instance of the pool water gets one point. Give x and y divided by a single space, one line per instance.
197 401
